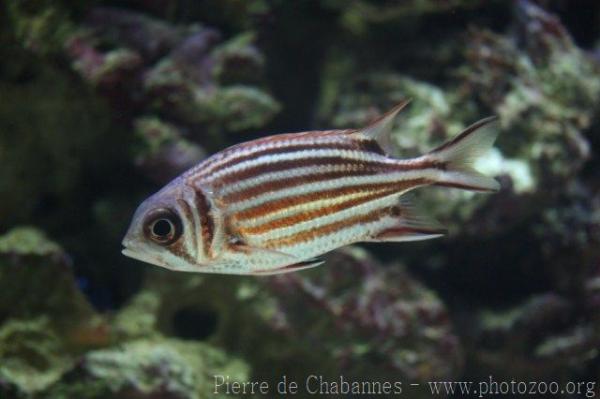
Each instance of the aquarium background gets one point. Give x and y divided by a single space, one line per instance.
103 102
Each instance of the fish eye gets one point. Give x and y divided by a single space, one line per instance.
163 226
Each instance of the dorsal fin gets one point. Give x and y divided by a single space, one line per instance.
379 130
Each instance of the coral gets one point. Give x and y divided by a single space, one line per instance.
139 318
152 38
36 282
165 153
533 80
33 355
40 26
363 319
183 305
236 107
546 88
58 357
432 117
569 236
238 60
162 368
530 87
539 336
31 264
553 332
172 75
28 241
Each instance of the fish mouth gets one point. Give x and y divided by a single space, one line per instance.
129 253
139 256
135 253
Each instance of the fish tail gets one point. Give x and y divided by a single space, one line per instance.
456 158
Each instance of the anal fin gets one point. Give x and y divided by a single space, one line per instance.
307 264
410 224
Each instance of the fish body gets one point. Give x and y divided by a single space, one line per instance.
275 204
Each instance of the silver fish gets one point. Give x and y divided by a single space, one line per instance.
273 205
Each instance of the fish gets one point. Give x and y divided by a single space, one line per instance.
277 204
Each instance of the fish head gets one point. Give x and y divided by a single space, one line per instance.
160 232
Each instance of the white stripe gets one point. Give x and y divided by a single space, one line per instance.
199 241
294 210
189 196
355 155
245 149
321 221
347 235
189 246
350 181
288 174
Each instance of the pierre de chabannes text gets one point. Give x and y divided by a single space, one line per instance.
315 384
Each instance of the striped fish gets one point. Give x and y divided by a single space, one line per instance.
275 204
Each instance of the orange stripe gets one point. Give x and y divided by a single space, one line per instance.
178 247
288 221
279 166
342 145
283 203
207 224
312 234
292 139
277 185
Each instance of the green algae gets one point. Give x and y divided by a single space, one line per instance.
169 367
36 349
161 146
28 241
432 117
266 329
127 353
31 264
242 107
238 60
39 25
559 84
32 355
158 367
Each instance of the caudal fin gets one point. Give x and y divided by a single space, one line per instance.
456 157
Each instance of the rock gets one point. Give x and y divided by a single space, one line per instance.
36 281
164 153
157 368
352 316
